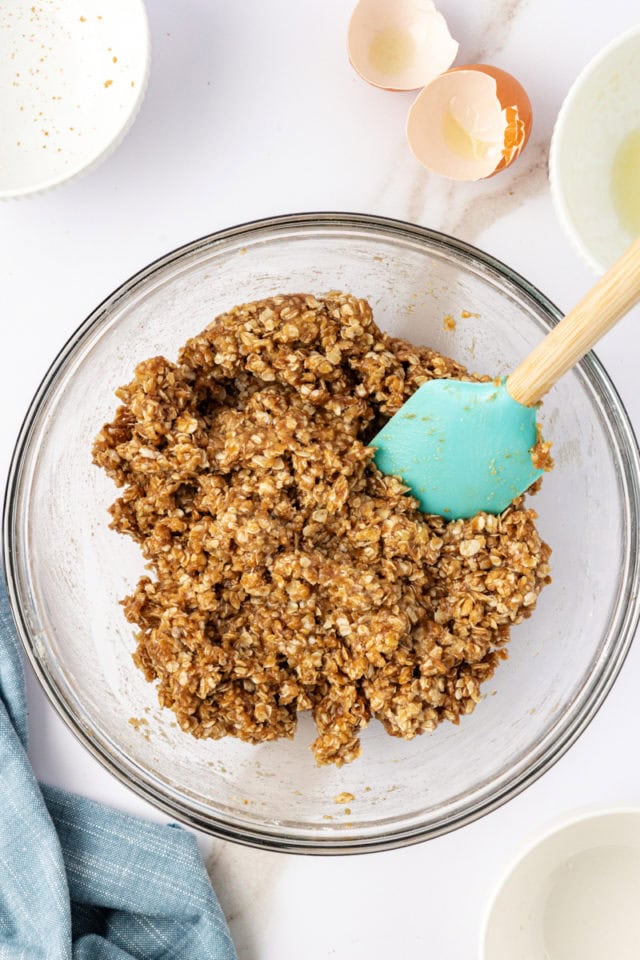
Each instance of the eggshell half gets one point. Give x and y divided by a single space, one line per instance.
470 122
399 44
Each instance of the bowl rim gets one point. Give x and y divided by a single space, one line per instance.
553 828
110 146
625 614
558 196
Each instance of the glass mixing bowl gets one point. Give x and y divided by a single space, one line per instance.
67 570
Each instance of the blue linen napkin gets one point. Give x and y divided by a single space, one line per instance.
81 881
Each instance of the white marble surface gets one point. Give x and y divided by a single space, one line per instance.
253 110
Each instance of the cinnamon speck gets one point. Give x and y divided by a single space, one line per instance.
448 322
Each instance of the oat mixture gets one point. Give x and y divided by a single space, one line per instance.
289 574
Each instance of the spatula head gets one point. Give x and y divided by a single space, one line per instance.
460 447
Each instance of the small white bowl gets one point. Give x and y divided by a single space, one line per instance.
72 78
573 895
601 108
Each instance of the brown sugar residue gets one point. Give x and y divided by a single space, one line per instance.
344 797
448 322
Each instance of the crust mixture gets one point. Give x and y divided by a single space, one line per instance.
288 573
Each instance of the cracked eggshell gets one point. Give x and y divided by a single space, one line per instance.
399 45
470 122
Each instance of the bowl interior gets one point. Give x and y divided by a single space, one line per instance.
69 93
573 896
601 110
68 570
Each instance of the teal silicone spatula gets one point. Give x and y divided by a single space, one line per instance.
466 447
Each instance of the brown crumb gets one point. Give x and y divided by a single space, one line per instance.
465 314
448 322
108 83
344 797
288 573
541 452
137 722
114 59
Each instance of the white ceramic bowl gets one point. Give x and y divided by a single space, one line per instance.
72 78
600 110
573 895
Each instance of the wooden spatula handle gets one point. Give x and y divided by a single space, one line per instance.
612 296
